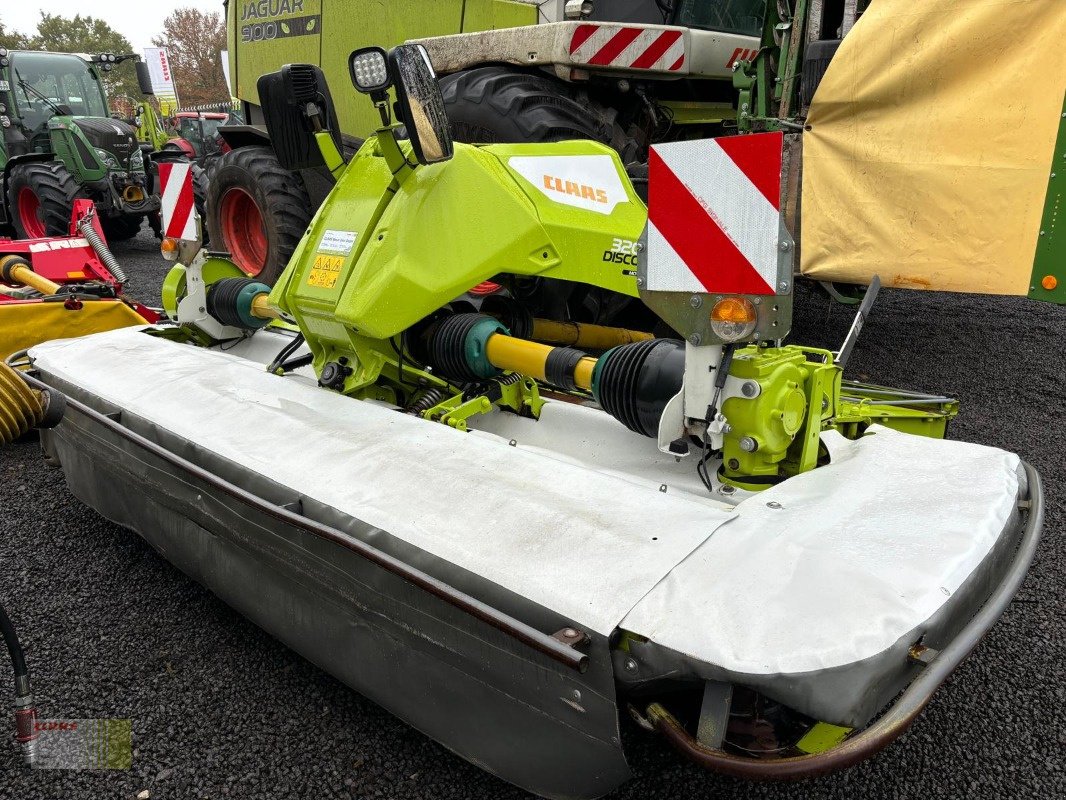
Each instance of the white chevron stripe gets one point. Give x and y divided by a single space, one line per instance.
178 180
594 43
677 49
636 48
666 271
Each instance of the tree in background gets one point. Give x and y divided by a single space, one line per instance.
80 35
194 40
12 40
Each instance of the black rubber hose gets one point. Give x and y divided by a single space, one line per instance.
25 708
14 647
280 360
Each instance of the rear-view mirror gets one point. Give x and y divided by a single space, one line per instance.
420 103
144 78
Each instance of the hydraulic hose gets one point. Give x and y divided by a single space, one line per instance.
25 711
85 227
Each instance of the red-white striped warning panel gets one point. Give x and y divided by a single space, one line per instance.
741 54
176 201
627 47
714 215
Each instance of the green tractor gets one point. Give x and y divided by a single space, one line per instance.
60 143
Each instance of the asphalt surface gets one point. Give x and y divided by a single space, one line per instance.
220 709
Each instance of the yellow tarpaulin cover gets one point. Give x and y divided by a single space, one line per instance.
23 325
931 145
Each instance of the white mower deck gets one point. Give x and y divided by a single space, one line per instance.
807 591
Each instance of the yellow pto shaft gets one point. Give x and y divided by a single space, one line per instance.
17 270
262 309
581 334
531 358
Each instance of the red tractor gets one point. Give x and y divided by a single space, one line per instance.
195 133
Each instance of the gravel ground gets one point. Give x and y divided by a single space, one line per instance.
220 709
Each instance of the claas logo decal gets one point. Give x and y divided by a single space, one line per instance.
576 189
587 181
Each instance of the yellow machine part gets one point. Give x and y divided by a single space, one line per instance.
21 407
20 271
582 334
530 358
23 325
930 145
821 737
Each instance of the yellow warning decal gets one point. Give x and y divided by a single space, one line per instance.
325 271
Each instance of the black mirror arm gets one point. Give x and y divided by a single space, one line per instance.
381 102
394 157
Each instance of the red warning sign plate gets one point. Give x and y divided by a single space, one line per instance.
714 215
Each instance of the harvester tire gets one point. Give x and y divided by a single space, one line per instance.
41 198
488 105
118 229
257 211
200 185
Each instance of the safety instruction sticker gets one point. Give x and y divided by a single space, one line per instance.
325 271
5 86
337 242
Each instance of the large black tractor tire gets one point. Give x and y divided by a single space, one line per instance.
200 184
257 211
488 105
52 191
494 105
121 228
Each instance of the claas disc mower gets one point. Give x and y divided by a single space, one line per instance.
514 530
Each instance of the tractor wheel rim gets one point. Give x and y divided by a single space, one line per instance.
29 213
243 233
